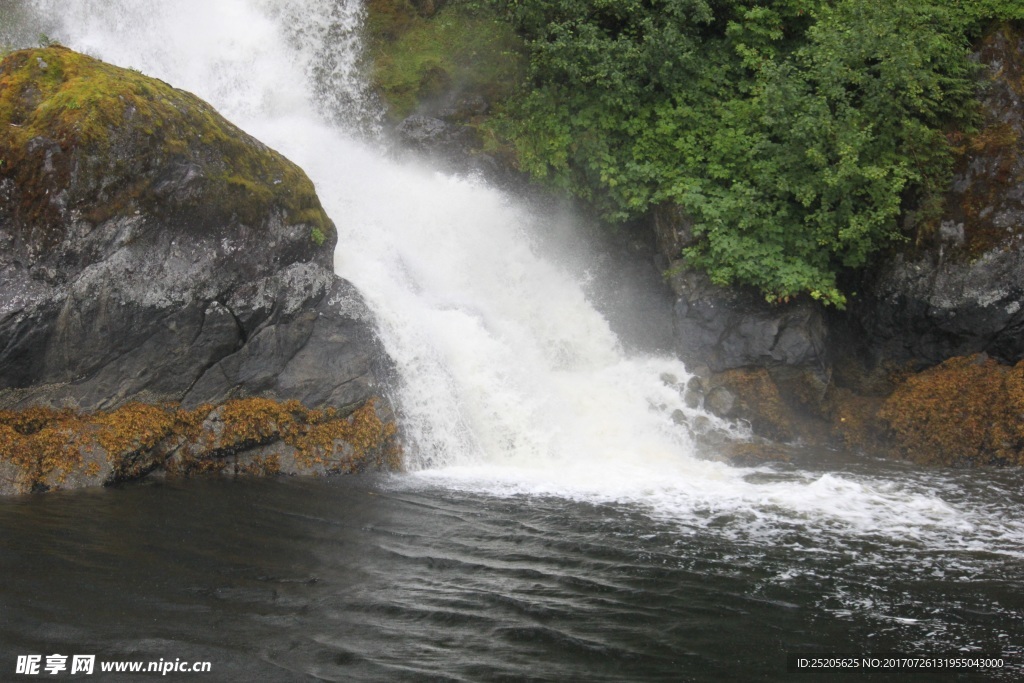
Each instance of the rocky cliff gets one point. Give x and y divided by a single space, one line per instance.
958 288
952 296
152 252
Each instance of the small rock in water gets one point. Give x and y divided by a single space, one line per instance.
720 401
701 424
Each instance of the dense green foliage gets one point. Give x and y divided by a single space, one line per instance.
795 133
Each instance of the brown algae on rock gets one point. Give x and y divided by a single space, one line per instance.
967 411
44 448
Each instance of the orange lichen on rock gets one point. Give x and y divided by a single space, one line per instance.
760 402
46 448
967 411
366 441
132 435
250 422
44 444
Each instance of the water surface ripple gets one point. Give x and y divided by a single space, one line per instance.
393 578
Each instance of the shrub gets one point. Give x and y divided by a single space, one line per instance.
794 133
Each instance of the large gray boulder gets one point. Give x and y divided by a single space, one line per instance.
149 250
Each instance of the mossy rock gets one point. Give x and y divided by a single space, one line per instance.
145 242
83 139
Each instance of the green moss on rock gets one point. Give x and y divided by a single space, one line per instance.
463 49
112 141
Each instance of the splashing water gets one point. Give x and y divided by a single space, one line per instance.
510 381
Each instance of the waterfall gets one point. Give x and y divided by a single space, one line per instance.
510 379
502 358
327 36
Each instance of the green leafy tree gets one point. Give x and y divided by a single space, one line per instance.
796 134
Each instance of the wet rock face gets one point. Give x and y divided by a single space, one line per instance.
149 250
322 352
727 328
437 137
962 290
764 361
926 310
451 144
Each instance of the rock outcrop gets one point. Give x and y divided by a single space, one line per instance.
726 328
796 371
764 364
44 449
960 289
150 252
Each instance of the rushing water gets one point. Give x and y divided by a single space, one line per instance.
557 522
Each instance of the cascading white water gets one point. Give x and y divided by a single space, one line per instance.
330 42
502 359
510 380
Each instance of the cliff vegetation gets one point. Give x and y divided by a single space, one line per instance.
801 137
797 135
427 56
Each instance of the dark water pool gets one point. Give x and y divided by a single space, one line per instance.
380 579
